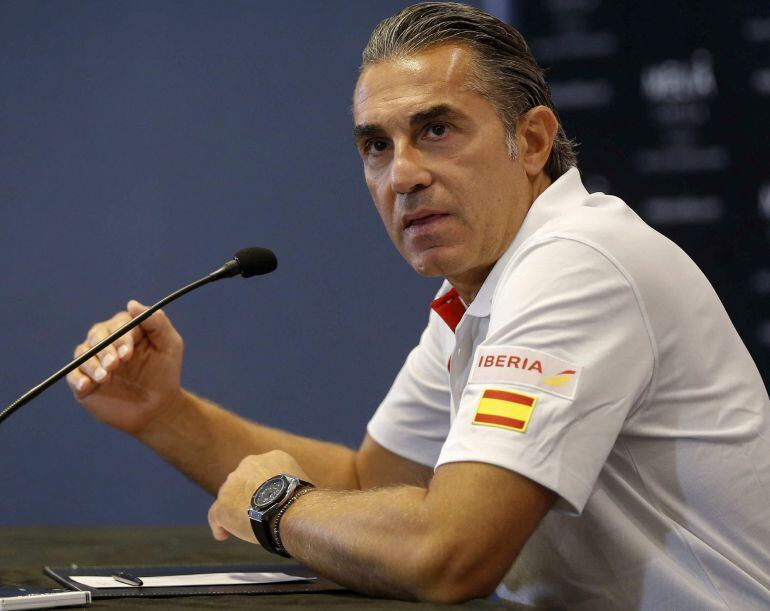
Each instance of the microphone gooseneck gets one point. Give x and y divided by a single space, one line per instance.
247 262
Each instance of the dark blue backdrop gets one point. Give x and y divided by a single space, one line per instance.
143 142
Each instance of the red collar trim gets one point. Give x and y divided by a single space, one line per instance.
450 307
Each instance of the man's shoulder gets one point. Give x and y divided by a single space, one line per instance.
599 220
607 226
599 244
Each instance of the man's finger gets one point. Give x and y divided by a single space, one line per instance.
108 356
92 367
219 533
80 384
124 346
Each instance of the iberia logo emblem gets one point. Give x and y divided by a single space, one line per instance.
560 379
505 409
525 367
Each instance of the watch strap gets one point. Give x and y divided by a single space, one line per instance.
264 538
262 533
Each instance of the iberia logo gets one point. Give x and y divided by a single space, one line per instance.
524 366
510 360
560 379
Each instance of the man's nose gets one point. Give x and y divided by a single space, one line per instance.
409 172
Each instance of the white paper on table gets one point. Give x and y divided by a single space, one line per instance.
201 579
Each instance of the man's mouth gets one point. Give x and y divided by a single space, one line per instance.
418 219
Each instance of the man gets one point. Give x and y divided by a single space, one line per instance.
579 412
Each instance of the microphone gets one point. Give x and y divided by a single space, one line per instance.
247 262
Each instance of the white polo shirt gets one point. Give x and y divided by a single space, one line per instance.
597 360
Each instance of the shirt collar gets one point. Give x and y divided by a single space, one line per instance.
565 193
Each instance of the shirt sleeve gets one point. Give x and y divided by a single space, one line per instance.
567 357
413 419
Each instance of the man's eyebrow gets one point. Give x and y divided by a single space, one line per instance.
434 112
368 130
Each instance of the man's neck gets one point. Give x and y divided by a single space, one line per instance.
469 283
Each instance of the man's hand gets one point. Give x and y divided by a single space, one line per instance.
227 514
131 381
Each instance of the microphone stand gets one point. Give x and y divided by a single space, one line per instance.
247 262
34 392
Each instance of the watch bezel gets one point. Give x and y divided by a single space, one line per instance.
263 512
285 482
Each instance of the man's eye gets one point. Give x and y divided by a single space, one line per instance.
436 130
375 146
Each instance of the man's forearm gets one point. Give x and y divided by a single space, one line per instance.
396 542
381 547
207 442
449 542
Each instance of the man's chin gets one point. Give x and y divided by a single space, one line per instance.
432 263
428 272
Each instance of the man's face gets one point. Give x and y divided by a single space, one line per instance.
437 165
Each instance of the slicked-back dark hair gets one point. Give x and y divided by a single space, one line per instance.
504 72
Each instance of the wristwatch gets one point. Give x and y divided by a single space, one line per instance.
275 494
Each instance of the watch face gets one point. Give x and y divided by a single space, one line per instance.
269 492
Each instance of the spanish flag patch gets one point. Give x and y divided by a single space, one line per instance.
505 409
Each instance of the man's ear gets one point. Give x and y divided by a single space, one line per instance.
536 130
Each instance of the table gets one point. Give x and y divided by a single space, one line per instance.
25 550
